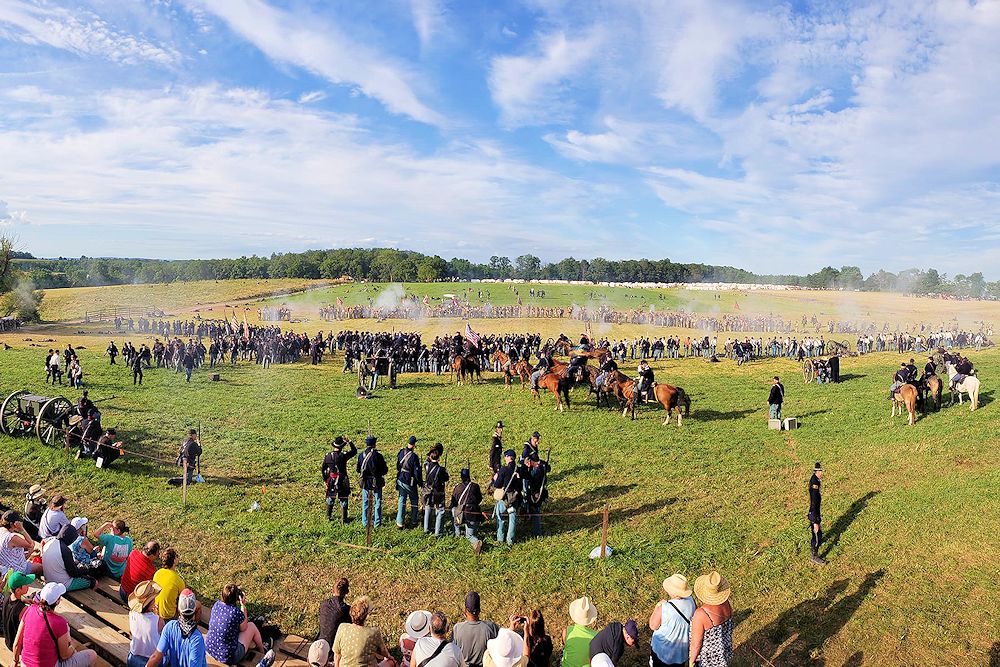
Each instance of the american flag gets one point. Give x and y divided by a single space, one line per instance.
471 335
246 327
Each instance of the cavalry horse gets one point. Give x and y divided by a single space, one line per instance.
463 367
969 385
905 396
930 387
556 383
669 396
509 370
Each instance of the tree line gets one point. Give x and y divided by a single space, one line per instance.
391 265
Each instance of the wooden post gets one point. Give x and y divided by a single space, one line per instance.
369 513
185 494
604 532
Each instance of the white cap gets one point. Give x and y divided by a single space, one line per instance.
78 522
51 592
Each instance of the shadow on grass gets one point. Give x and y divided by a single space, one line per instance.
856 660
801 631
845 520
844 377
568 472
704 414
995 655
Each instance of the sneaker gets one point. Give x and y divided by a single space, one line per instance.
399 526
267 660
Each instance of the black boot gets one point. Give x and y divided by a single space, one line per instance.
329 512
343 514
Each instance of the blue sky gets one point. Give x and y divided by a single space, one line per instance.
776 137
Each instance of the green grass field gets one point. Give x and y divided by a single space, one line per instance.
910 513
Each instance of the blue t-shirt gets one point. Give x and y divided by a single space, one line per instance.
180 651
223 631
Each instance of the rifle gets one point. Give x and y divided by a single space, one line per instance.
545 475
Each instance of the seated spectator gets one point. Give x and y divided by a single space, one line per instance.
144 623
537 644
671 624
319 653
505 650
357 645
472 634
577 637
140 566
712 625
333 611
15 546
170 584
436 650
58 564
181 642
608 646
12 607
115 546
54 517
33 646
417 626
84 552
34 506
230 632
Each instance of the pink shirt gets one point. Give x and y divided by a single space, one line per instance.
38 648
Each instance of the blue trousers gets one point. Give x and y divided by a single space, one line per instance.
366 500
406 492
438 513
506 520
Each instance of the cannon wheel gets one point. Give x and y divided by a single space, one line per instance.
50 419
8 414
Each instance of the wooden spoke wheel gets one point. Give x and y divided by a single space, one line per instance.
53 419
12 419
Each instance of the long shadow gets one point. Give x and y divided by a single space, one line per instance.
995 655
844 377
704 414
802 630
811 414
583 467
844 521
856 660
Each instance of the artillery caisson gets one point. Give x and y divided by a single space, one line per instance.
23 413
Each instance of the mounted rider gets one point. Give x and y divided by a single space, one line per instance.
905 375
543 366
644 381
609 366
963 369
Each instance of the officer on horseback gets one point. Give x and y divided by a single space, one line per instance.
541 368
607 367
902 376
644 381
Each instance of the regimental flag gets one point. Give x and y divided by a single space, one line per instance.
340 302
471 336
246 327
236 323
736 304
229 327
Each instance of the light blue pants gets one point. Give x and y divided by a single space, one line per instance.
775 410
366 499
406 492
505 519
438 519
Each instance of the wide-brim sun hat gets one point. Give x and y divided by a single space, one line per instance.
676 585
418 624
144 592
712 588
582 611
506 648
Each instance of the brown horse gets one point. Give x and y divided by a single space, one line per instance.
522 370
557 384
463 367
612 387
905 396
669 396
931 387
509 370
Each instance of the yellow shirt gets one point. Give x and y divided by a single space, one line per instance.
171 586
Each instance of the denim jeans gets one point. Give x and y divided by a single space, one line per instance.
438 519
366 499
775 410
136 660
187 374
535 511
406 492
535 377
505 519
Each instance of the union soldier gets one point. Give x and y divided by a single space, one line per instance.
112 352
530 447
815 517
135 363
775 398
541 368
534 475
436 477
496 448
373 469
466 509
109 449
644 382
507 493
408 480
609 366
335 477
188 458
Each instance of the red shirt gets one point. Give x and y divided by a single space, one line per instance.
138 568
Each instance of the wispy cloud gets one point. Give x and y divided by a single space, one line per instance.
322 47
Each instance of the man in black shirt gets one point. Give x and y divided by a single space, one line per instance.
436 478
373 469
507 494
776 398
496 448
466 509
187 458
408 480
333 611
612 640
815 516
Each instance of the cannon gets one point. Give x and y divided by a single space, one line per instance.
23 413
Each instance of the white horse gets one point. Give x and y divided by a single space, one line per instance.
970 386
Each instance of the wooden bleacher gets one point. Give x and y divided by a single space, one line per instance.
97 619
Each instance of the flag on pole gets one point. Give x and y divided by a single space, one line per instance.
229 327
737 304
236 322
246 327
471 335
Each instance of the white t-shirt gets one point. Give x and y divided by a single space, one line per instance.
52 563
145 631
450 656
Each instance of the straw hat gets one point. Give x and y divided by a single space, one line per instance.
75 419
506 648
676 586
712 588
144 592
36 491
418 624
583 611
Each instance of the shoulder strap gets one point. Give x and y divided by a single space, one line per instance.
405 459
465 494
45 617
674 607
436 653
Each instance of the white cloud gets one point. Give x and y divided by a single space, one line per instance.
530 89
312 96
428 20
323 48
83 33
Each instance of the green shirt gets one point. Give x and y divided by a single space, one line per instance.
576 653
116 551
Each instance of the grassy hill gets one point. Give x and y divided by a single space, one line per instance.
909 512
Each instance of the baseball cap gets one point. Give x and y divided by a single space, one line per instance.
17 579
78 522
632 629
51 592
472 602
319 653
187 602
